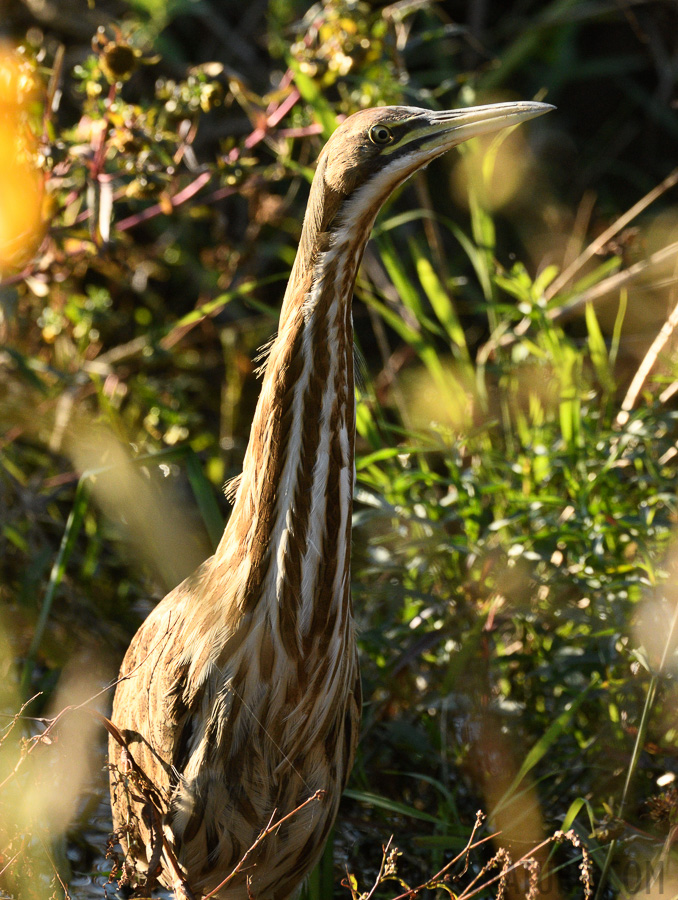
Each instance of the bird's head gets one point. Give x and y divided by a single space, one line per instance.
368 156
375 150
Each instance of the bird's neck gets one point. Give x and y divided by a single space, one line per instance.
289 533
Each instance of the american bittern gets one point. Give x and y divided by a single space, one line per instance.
240 694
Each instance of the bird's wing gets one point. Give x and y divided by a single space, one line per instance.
152 704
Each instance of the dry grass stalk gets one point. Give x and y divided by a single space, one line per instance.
479 883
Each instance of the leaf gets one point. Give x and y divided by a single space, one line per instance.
212 307
442 304
595 276
598 349
550 736
618 324
401 809
311 93
204 496
407 291
544 279
68 539
475 255
573 812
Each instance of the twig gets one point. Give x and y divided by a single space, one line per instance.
257 135
64 886
44 737
467 892
15 718
500 338
10 861
526 859
596 245
480 818
150 794
23 756
264 834
638 747
613 282
377 880
645 367
427 885
272 120
160 208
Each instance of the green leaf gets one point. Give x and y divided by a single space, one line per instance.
476 256
393 806
573 812
609 267
212 307
406 290
545 742
311 93
69 537
618 325
598 349
442 304
204 496
544 279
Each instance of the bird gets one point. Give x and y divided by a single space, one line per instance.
237 708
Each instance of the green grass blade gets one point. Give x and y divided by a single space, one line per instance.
474 254
399 219
544 279
618 325
609 267
71 531
394 806
319 884
407 291
426 351
574 810
367 426
442 305
598 350
550 736
204 497
212 307
311 93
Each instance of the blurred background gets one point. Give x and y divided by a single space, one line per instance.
514 565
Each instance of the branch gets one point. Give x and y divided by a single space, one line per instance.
161 208
264 834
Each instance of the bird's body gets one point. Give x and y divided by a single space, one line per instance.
240 695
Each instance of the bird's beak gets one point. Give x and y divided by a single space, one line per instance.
446 129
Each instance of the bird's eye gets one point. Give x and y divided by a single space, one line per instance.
380 135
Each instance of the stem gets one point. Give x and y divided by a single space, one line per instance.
70 534
637 749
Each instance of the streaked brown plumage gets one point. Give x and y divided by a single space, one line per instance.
241 694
